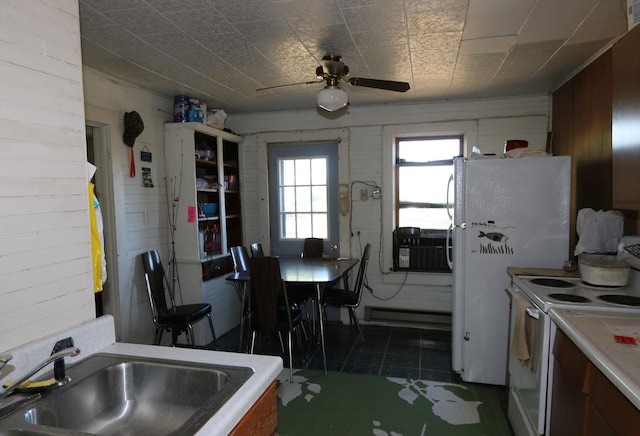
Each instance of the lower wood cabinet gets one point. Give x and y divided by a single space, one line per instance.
611 413
584 401
262 418
570 389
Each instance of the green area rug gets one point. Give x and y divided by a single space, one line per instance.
352 404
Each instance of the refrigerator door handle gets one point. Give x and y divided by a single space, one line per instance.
448 246
449 208
449 242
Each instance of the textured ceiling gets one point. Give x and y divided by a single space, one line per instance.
221 51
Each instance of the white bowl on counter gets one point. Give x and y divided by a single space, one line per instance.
603 270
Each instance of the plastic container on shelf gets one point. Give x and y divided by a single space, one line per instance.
181 108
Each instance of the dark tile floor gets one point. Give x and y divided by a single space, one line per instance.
386 351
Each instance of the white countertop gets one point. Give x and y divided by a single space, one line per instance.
266 369
98 336
593 333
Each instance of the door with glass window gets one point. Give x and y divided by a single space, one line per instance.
303 197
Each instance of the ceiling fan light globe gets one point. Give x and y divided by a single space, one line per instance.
332 98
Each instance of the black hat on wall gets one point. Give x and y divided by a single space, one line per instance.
133 126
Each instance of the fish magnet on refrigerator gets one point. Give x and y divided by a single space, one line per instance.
133 126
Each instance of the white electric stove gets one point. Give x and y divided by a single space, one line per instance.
547 292
530 384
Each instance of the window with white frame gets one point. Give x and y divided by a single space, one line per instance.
303 208
422 170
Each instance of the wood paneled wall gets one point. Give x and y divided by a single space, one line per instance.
581 120
596 120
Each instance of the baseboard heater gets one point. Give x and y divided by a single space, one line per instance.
431 319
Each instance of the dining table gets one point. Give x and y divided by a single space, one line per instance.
318 272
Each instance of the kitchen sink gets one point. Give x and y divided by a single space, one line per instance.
113 394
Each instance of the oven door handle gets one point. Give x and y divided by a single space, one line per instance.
533 313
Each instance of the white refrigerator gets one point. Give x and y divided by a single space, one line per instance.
507 212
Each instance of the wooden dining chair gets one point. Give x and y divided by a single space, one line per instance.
272 312
350 298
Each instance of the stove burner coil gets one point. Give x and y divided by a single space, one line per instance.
552 283
624 300
571 298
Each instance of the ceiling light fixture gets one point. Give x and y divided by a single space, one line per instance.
332 97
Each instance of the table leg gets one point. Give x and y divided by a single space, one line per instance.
321 324
241 287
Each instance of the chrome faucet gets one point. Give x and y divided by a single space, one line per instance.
61 349
4 359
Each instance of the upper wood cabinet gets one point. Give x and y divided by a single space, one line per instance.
581 121
626 121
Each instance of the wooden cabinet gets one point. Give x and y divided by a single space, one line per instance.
626 121
570 388
262 418
204 195
611 412
582 129
584 401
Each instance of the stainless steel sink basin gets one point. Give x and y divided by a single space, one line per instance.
112 394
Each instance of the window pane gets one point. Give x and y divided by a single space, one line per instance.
424 218
303 199
319 199
319 171
303 172
287 172
304 226
289 226
424 184
320 226
428 150
288 199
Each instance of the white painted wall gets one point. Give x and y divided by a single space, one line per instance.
141 214
45 271
370 133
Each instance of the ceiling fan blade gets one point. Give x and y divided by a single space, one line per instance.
290 84
388 85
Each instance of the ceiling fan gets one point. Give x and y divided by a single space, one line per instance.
332 71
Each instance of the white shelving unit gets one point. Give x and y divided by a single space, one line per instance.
203 168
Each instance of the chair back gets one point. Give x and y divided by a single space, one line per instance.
362 270
312 248
266 286
256 249
240 257
155 282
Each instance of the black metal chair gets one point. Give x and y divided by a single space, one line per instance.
177 319
346 297
301 294
312 248
256 249
272 312
240 257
